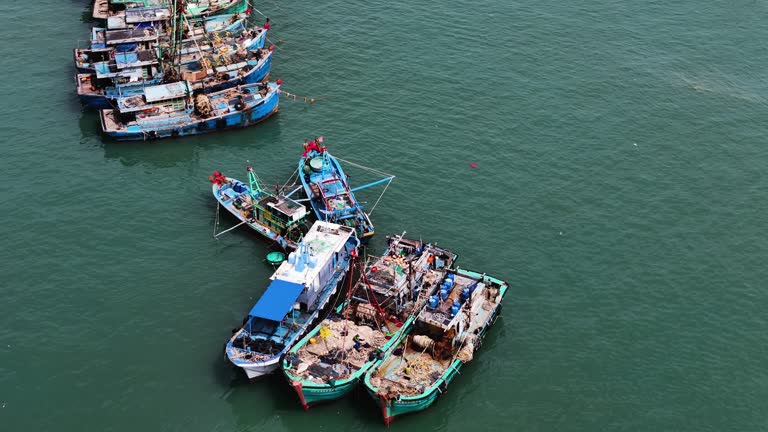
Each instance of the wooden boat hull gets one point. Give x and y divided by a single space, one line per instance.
391 408
185 125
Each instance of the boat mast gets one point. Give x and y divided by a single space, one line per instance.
253 182
178 28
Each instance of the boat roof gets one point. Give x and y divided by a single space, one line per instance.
135 58
129 35
166 91
292 209
323 240
277 300
147 14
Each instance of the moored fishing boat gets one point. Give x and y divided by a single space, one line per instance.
240 59
445 336
332 358
329 193
277 218
173 110
301 288
217 71
108 9
123 47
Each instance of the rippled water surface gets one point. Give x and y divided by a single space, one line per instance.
620 188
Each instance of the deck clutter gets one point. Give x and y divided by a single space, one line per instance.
171 68
400 325
333 317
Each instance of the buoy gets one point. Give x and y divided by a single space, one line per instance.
275 258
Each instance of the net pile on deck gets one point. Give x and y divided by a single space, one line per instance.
410 377
336 353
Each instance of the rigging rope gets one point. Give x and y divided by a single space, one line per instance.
216 221
382 194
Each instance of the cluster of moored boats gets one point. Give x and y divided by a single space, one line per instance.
169 68
402 324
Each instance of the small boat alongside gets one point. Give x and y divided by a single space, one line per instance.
445 336
276 217
301 288
173 110
329 193
332 358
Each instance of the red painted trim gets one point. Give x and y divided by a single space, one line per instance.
297 386
383 404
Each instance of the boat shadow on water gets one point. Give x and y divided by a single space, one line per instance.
171 152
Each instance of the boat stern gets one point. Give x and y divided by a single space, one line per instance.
300 391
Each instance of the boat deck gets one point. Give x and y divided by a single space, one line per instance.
409 374
101 9
267 338
335 356
421 365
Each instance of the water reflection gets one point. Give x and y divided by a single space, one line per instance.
168 153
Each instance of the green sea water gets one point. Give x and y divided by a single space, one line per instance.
620 188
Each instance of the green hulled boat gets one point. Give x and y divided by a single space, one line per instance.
332 358
445 336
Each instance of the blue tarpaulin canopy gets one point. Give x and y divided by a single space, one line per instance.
277 300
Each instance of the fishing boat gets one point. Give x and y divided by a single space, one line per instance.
117 62
446 335
277 218
219 70
301 288
329 193
109 9
131 47
144 40
333 357
240 59
173 110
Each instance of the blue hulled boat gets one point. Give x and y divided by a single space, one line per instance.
172 110
301 288
276 217
329 193
135 46
209 66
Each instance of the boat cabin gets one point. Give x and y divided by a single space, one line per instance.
314 263
279 211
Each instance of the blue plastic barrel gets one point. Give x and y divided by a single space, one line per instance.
433 301
465 294
443 293
454 309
